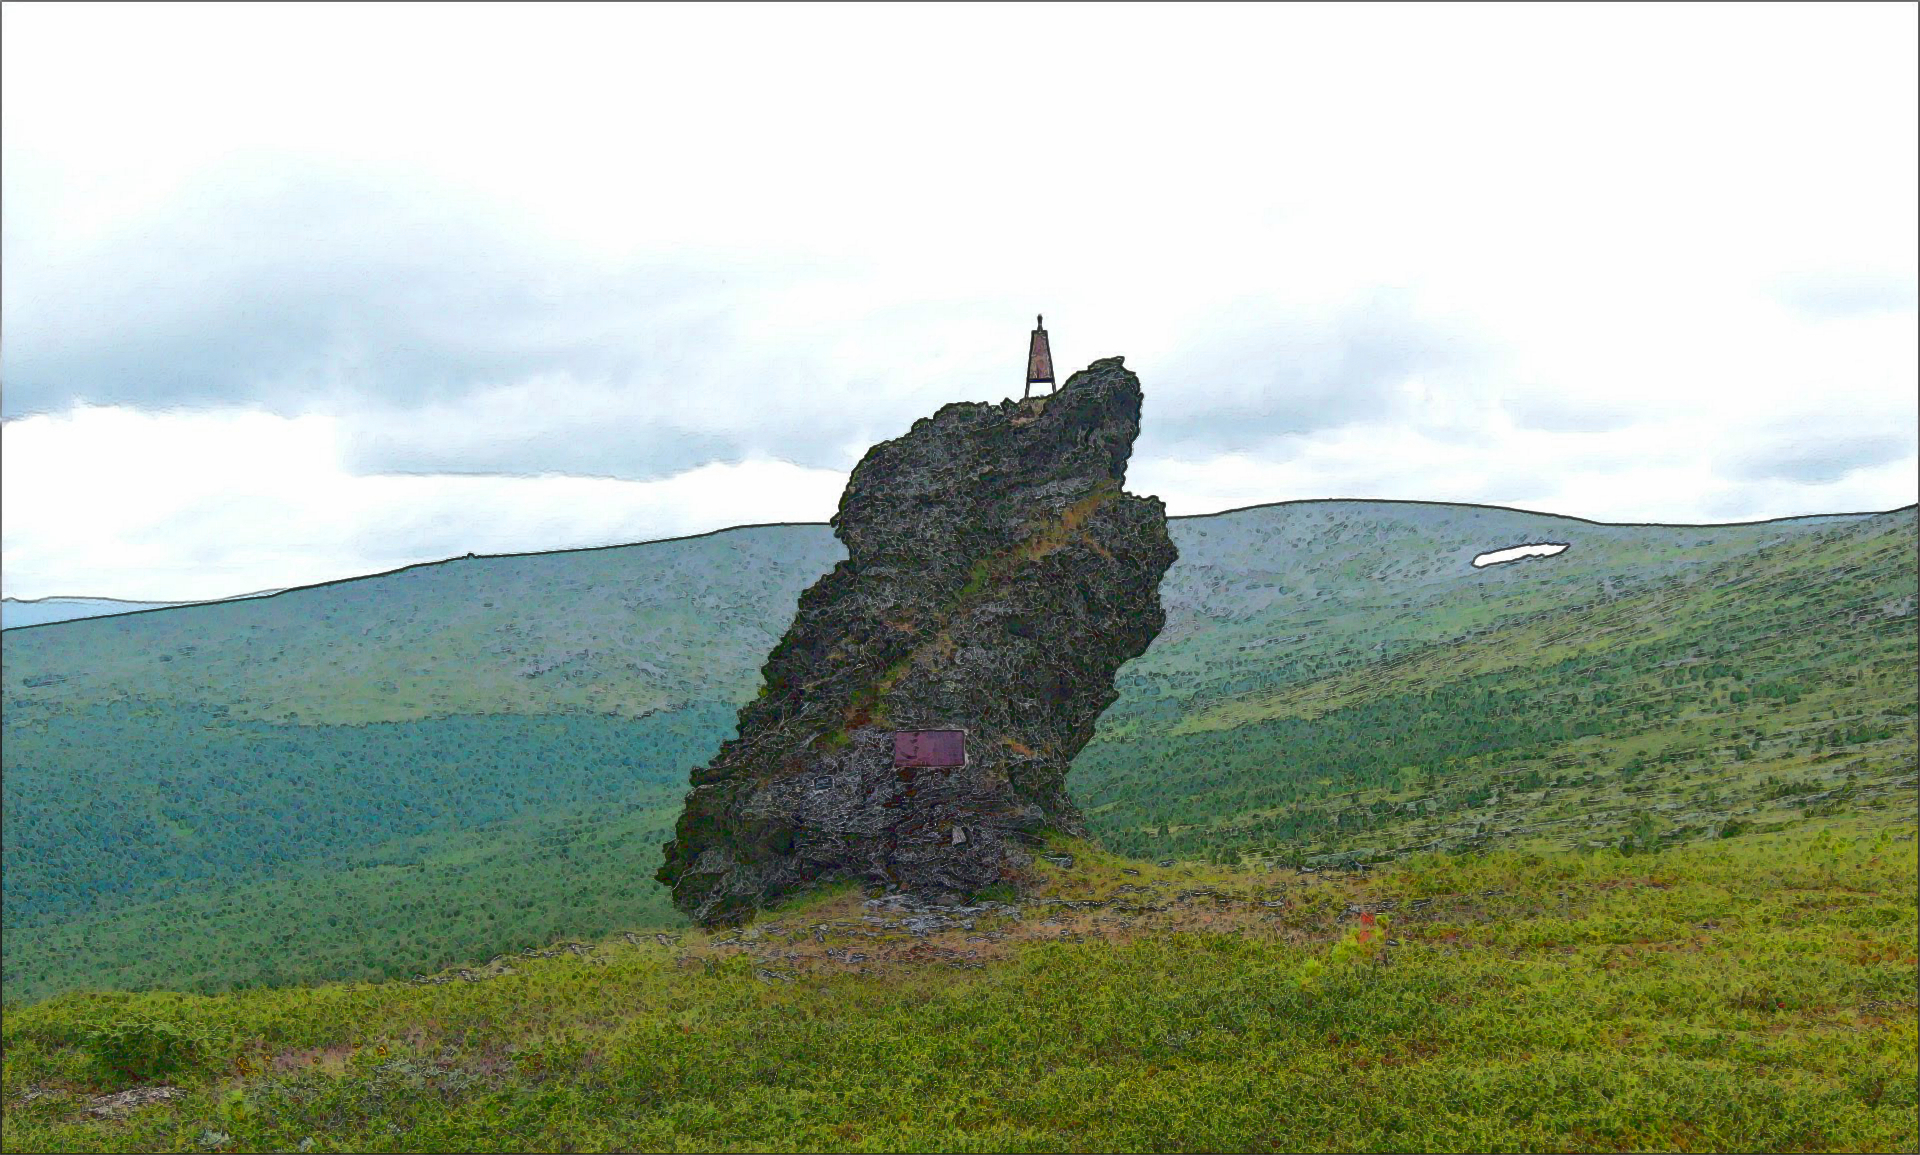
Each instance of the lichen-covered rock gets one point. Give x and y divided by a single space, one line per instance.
996 579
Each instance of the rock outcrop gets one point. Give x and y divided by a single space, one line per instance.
996 579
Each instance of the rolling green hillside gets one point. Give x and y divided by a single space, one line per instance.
1752 995
621 632
1645 705
486 752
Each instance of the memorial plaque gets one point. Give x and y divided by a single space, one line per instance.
937 748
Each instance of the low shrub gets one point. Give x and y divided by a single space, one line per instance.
141 1048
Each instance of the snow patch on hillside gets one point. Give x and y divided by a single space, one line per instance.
1518 552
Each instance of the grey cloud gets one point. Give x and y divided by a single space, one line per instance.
401 313
274 292
633 451
630 432
1254 383
1817 459
285 290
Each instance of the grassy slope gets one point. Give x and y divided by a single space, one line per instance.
1267 608
1674 703
1757 994
618 631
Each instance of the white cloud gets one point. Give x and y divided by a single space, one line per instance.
1660 474
1604 260
202 505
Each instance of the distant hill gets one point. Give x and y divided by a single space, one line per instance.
465 754
619 631
1661 683
624 630
40 611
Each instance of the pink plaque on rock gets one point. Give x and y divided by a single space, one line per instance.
929 748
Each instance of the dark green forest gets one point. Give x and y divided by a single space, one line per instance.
188 796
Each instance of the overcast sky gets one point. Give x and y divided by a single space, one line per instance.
293 293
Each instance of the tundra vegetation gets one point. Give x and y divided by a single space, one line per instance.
1754 993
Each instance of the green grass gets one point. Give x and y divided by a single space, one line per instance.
1752 994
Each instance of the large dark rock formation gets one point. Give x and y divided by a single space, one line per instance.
996 579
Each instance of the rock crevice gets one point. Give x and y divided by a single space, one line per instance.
997 576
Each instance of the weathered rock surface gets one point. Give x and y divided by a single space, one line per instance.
996 579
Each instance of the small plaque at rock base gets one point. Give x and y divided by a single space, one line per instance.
936 748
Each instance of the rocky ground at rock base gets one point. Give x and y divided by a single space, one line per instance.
877 934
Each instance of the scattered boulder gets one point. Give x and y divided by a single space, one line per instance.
121 1103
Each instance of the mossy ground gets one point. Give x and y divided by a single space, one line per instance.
1749 994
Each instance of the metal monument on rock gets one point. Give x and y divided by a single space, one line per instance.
1039 359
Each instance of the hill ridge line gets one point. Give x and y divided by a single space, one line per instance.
809 524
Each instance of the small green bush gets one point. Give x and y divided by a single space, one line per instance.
140 1047
998 892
